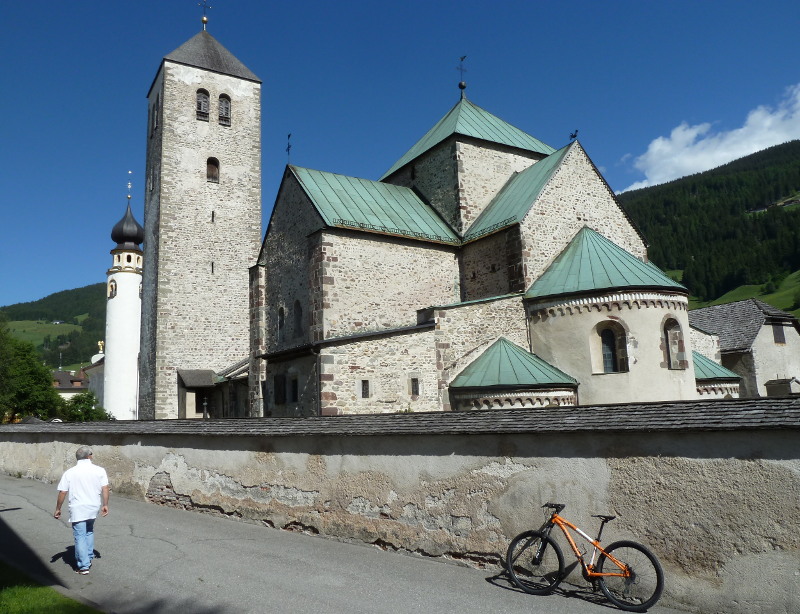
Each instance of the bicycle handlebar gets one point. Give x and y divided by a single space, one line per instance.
557 507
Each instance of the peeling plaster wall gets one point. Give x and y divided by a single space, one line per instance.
716 507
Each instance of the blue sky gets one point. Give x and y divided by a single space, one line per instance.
656 90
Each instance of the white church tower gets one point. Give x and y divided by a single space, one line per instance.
202 222
123 320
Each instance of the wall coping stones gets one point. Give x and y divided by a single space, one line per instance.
701 415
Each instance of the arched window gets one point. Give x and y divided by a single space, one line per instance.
674 350
281 323
298 319
613 347
212 170
202 105
112 289
224 110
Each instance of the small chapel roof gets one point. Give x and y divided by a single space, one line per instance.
206 52
372 206
468 119
508 366
127 233
515 199
707 369
591 263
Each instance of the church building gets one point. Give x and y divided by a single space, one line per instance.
484 269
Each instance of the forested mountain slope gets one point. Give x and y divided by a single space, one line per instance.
83 306
733 225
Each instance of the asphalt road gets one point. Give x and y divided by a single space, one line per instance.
154 559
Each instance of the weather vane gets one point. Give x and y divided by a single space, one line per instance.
205 6
289 148
462 85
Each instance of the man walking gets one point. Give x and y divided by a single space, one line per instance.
87 485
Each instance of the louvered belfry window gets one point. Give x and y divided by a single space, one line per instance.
202 105
224 110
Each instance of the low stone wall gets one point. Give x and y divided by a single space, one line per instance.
712 487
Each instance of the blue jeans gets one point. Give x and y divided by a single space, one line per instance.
83 532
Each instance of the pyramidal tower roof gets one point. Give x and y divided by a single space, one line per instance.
506 365
204 51
592 263
468 119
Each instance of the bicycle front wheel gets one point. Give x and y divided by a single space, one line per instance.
535 563
641 581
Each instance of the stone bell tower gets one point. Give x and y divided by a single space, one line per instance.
202 219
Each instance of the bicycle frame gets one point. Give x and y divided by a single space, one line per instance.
588 568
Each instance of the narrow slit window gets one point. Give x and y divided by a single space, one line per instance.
364 388
414 386
212 170
778 334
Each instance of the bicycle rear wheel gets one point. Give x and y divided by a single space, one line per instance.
644 580
535 563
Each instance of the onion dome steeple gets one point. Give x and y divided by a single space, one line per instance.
128 233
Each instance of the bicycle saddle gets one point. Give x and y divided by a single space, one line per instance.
603 517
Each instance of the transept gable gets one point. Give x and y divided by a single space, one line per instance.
516 198
468 119
592 263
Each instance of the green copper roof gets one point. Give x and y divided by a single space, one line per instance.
705 368
517 196
591 262
470 120
349 202
505 365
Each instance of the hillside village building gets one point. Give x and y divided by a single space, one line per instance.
484 269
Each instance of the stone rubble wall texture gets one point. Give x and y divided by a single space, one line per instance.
705 344
206 235
565 335
373 282
258 327
716 507
464 332
492 266
576 196
388 363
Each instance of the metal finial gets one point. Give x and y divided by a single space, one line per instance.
462 85
574 135
205 6
289 148
130 185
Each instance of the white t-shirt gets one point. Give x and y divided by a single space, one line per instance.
84 482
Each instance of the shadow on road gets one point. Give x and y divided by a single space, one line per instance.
568 591
16 552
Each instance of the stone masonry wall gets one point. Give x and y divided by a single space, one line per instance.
373 282
464 332
493 265
388 364
483 170
207 233
705 344
715 506
575 196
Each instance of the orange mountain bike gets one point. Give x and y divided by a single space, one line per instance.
629 575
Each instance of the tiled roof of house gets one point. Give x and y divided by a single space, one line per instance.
707 369
468 119
508 366
737 323
204 51
372 206
591 263
719 415
517 196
